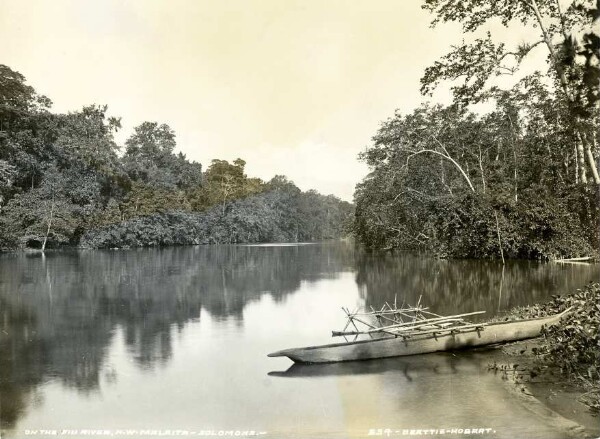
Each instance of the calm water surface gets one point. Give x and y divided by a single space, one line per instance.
177 338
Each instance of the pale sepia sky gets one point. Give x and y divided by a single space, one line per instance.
293 87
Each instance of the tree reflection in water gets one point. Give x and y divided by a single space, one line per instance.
59 313
456 286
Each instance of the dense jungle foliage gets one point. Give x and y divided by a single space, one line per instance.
65 181
517 181
573 345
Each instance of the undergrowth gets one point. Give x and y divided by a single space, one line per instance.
573 345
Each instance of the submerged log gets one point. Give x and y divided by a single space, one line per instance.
584 258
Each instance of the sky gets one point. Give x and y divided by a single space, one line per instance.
292 87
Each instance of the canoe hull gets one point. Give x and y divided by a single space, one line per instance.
493 333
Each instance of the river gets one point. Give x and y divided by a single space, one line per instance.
174 341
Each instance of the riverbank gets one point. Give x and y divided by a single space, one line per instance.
544 390
560 368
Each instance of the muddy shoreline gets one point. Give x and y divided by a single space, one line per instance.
544 391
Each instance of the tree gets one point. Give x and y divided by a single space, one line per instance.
151 141
570 60
62 182
441 176
149 158
17 99
145 199
7 174
42 215
23 114
148 152
189 173
322 216
86 137
224 182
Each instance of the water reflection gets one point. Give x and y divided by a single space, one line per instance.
21 361
435 391
61 315
58 312
404 366
456 286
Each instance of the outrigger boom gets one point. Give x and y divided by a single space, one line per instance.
439 322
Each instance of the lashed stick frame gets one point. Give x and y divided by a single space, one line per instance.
417 325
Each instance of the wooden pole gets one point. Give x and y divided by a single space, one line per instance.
458 329
500 293
391 311
366 324
416 331
431 313
499 242
411 325
350 320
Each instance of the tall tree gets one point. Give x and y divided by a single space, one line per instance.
17 99
86 137
24 119
149 158
568 55
224 182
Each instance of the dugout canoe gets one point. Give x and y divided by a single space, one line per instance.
443 340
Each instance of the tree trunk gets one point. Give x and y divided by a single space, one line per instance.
443 175
49 227
515 177
576 165
516 164
565 87
581 161
499 240
590 158
481 168
557 65
433 151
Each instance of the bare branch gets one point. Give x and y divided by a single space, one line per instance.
445 155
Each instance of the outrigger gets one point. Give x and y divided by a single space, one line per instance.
415 330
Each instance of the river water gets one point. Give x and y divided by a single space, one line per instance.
174 342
